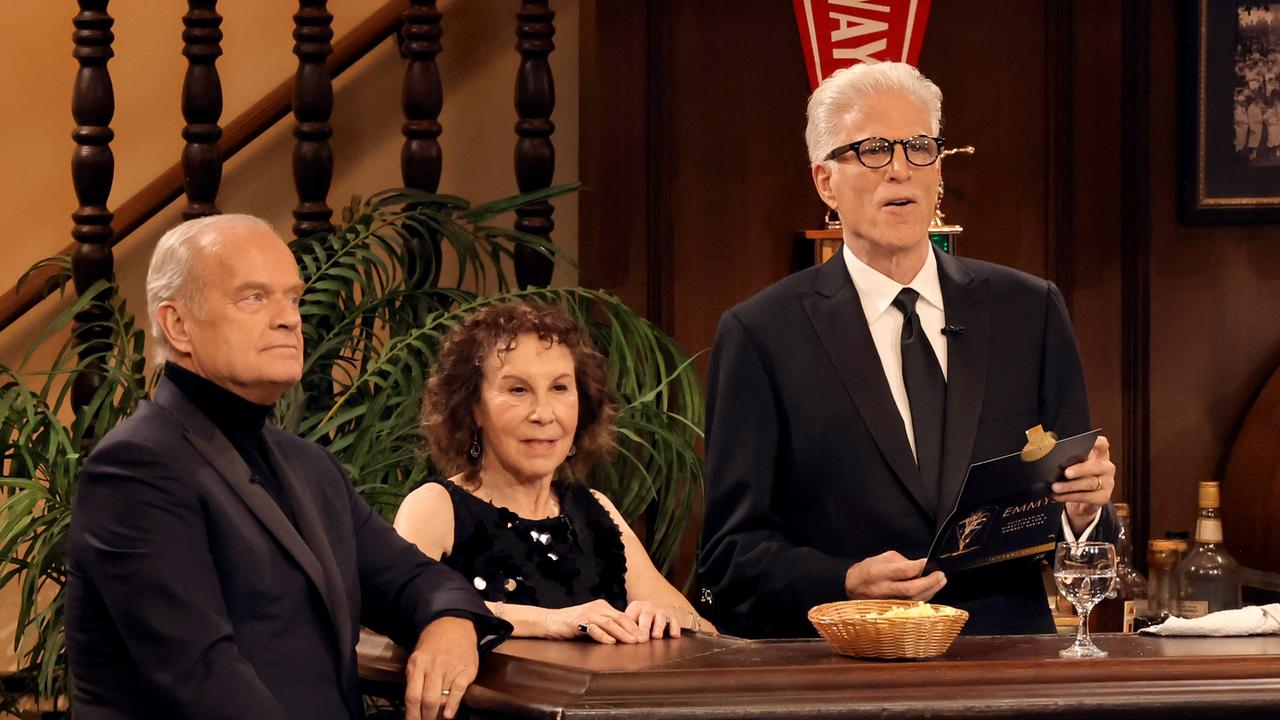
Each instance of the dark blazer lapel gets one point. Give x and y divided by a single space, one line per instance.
967 302
313 532
836 313
217 450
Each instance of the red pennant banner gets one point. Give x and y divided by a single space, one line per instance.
840 33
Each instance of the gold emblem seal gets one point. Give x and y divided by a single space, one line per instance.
1039 444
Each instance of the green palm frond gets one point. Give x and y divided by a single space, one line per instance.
41 455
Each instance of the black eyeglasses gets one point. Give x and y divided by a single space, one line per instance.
876 152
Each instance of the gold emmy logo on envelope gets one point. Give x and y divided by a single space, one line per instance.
971 530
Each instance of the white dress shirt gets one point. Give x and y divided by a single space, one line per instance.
877 292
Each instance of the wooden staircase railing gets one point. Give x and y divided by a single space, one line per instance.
309 94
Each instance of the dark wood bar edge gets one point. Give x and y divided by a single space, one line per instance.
987 677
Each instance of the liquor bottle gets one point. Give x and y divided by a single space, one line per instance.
1209 577
1162 584
1128 598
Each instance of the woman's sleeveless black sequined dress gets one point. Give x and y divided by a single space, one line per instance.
570 559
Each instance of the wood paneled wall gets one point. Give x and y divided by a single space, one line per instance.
694 159
693 156
1214 321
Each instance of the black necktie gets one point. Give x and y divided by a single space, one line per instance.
926 391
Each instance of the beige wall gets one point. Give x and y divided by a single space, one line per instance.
478 66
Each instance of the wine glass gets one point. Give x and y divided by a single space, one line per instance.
1085 573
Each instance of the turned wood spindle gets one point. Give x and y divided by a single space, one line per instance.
201 108
92 171
423 97
312 106
535 156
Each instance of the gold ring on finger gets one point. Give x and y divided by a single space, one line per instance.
1097 484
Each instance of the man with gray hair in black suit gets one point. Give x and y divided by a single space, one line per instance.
220 567
847 401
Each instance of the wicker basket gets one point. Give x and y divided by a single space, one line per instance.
849 631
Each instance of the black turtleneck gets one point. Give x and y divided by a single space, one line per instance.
241 421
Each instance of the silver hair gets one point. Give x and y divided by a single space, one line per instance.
172 274
844 90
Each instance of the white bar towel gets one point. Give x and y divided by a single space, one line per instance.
1252 620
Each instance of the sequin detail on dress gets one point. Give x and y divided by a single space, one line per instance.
570 559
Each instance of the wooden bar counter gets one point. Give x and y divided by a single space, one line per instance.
979 677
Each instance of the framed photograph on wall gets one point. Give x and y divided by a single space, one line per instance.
1231 112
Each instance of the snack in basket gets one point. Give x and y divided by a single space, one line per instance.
920 609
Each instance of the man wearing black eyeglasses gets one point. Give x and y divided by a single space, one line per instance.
846 402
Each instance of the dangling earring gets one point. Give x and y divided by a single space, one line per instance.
573 449
475 447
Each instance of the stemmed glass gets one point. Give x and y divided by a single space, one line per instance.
1085 573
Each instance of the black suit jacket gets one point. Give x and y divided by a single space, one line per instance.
190 595
808 465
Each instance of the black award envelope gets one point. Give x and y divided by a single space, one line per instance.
1005 509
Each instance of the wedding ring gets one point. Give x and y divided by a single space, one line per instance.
1097 483
445 692
584 628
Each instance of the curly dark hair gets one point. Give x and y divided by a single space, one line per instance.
452 393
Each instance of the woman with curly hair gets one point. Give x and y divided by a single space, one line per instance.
518 407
